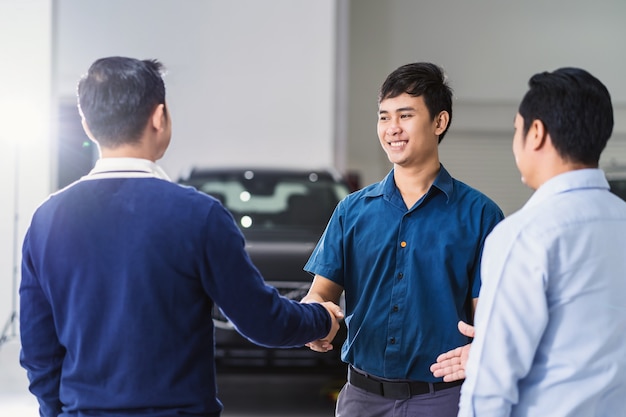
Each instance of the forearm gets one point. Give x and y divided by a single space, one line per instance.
323 290
274 321
42 354
42 358
313 298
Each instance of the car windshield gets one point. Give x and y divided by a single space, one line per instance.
274 201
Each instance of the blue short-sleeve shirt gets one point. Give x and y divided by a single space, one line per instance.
409 275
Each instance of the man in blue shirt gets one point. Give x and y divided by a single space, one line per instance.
406 251
551 320
121 269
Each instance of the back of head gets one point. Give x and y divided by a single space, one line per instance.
420 79
117 96
576 110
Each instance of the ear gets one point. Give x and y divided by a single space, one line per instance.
537 135
87 130
441 122
158 118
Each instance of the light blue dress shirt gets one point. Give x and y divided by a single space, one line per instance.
551 320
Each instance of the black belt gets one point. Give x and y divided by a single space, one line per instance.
397 390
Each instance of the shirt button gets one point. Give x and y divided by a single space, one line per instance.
395 308
403 244
392 340
400 275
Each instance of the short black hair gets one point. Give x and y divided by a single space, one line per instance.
117 96
576 110
420 79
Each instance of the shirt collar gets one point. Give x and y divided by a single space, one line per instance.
126 168
443 182
569 181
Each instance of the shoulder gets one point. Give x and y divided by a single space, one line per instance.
524 225
168 195
468 192
462 194
359 197
190 199
471 198
189 192
55 199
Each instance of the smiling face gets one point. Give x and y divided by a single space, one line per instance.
407 133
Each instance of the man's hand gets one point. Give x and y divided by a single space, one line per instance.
328 294
336 314
451 365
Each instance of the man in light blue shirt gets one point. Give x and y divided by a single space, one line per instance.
551 320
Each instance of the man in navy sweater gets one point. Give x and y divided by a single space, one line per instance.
121 269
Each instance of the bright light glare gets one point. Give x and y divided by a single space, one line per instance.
27 122
246 221
244 196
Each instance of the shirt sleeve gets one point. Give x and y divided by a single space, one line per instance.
492 215
256 309
42 354
327 257
511 317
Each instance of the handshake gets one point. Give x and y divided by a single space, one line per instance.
336 315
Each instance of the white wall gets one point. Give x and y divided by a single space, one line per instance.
489 49
249 82
25 28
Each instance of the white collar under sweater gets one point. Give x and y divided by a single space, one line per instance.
125 168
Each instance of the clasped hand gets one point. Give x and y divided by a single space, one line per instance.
325 344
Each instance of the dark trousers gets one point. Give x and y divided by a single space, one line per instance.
357 402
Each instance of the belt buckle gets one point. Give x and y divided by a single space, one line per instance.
397 390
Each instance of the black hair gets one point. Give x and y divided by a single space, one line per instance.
576 110
420 79
117 96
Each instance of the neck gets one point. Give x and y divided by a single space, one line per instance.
128 151
416 178
551 167
413 183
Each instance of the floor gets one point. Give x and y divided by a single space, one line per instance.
309 394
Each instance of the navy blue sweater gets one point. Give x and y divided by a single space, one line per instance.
118 281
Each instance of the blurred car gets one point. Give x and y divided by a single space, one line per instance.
616 175
282 214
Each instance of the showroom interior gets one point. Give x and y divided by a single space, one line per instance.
279 83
